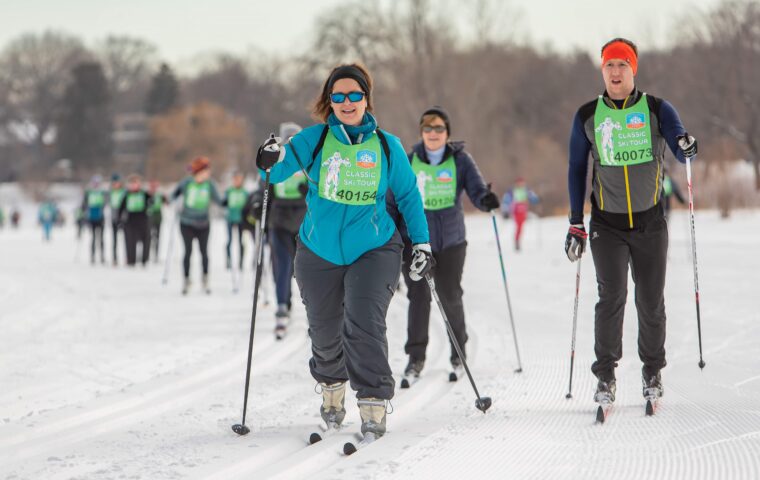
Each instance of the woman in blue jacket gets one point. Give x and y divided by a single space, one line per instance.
348 257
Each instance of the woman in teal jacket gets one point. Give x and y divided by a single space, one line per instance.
348 257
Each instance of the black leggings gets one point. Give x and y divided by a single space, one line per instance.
188 234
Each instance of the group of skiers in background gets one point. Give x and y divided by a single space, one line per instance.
350 212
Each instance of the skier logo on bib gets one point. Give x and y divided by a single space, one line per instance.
422 179
608 146
333 165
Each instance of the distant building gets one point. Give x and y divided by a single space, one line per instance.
131 139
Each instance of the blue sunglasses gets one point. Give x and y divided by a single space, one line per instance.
341 97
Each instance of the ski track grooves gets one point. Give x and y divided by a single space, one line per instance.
77 426
294 458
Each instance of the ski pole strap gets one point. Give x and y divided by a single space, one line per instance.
578 232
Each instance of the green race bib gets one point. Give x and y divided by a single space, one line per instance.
288 190
623 137
135 202
198 195
520 195
95 199
350 174
155 207
116 197
437 184
236 198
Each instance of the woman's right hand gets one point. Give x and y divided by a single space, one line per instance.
269 153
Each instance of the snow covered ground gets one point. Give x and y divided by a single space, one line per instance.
105 374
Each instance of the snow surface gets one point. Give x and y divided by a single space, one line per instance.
105 374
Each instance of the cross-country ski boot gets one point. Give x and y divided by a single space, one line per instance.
605 391
651 389
186 286
204 282
412 372
605 397
372 411
332 409
281 318
651 385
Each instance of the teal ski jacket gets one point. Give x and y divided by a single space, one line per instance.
342 233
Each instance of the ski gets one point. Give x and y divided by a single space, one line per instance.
456 372
602 412
349 448
280 331
326 431
651 406
409 380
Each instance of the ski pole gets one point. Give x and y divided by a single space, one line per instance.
240 428
170 250
575 328
482 403
506 291
694 259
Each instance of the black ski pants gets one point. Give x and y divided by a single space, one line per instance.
449 264
189 233
645 248
155 235
96 227
136 231
115 227
346 307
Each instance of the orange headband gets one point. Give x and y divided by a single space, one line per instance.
622 51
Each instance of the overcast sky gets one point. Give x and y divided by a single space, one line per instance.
184 28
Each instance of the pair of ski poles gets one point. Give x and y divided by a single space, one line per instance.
696 286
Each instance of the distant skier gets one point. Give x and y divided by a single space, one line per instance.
287 211
115 196
155 216
449 170
80 220
197 192
234 201
93 206
516 204
627 222
134 210
15 217
48 216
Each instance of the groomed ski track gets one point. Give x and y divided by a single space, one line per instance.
107 375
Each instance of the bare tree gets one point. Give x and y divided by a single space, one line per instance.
36 70
128 63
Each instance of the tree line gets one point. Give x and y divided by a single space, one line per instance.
512 102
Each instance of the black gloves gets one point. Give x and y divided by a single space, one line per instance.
490 201
575 243
269 153
688 145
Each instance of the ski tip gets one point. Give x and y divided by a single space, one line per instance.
349 448
650 408
701 364
599 414
569 395
404 383
314 438
483 404
240 429
453 377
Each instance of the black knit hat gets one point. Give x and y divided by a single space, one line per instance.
439 111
